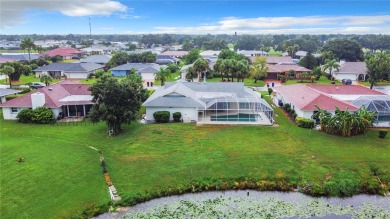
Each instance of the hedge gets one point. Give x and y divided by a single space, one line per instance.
161 116
40 115
177 116
25 116
382 133
305 123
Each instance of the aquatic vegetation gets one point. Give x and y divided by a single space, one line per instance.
266 207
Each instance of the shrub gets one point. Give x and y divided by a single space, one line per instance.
287 106
294 115
25 116
305 123
10 97
270 90
99 73
43 115
382 133
177 116
161 116
25 90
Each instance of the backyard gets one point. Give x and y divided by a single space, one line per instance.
25 80
61 175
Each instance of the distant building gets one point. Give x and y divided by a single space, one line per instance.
145 70
98 59
177 54
64 52
356 71
68 70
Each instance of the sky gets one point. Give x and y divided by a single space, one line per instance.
194 17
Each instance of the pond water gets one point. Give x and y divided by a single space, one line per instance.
255 204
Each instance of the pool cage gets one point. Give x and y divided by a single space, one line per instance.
379 104
244 110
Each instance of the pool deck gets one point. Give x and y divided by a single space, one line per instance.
207 121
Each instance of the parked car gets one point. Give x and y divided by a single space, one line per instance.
37 85
347 81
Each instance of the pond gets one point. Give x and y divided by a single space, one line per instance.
255 204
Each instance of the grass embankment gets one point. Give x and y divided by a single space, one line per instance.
61 175
25 80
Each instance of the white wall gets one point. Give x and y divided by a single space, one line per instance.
190 113
8 115
341 76
76 75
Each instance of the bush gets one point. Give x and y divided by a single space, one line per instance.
43 115
25 116
294 115
382 133
305 123
25 90
270 90
177 116
10 97
161 116
287 106
99 73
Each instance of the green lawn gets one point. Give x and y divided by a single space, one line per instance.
61 175
323 80
381 83
247 82
25 79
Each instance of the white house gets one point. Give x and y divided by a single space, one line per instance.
210 103
356 71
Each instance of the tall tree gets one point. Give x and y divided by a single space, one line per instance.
116 102
377 68
8 70
242 70
28 43
344 48
192 56
200 67
162 75
330 65
259 68
309 61
190 74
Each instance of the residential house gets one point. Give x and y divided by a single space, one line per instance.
68 70
64 52
304 98
19 57
210 103
210 55
5 92
166 60
301 53
356 71
283 69
4 60
66 99
251 53
145 70
176 54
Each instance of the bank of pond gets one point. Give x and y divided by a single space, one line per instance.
256 204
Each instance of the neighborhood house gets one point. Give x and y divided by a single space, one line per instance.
66 99
68 70
145 70
210 103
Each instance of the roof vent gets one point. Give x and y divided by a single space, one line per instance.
337 88
50 89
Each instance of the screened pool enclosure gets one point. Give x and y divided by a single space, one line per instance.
379 104
235 110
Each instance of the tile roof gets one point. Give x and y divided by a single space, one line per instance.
53 94
352 67
175 53
5 92
70 67
305 98
285 68
275 59
96 59
137 66
62 51
20 57
344 89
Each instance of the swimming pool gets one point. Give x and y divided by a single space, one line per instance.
241 117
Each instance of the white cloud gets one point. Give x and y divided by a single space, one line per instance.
12 10
290 25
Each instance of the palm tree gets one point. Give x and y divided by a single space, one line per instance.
190 74
242 70
162 75
46 79
200 66
330 65
28 43
8 70
259 68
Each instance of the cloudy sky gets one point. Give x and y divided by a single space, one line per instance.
194 17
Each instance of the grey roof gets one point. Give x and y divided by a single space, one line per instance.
20 57
96 59
138 67
352 67
5 92
201 95
70 67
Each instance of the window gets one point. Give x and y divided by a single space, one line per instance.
14 110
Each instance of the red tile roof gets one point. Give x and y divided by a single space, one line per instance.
62 51
344 89
305 98
53 94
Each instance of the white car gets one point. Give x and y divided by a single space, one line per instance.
37 85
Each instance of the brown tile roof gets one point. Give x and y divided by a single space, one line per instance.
305 98
286 68
53 96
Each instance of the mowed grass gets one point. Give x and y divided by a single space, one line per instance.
322 80
25 80
62 176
